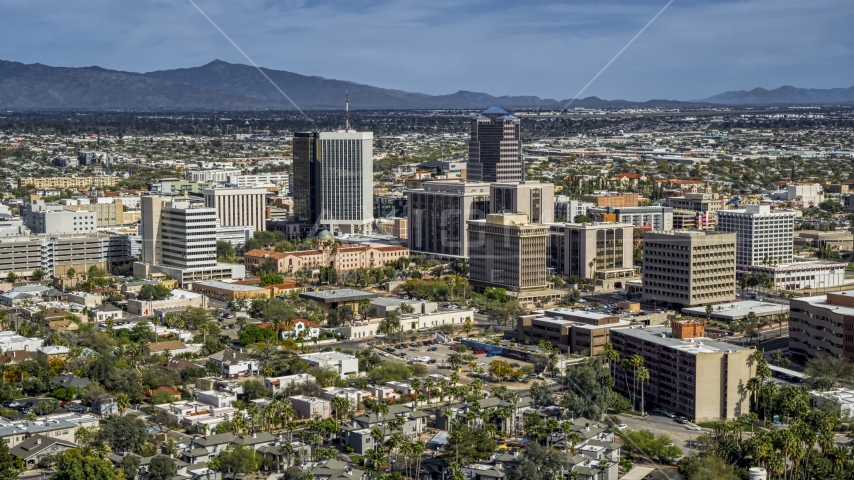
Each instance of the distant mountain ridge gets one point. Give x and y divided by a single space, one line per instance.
785 95
221 85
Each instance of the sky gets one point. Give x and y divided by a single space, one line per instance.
547 48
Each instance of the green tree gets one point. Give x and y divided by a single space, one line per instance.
74 465
161 467
154 291
580 218
130 465
38 275
539 462
707 466
123 433
11 277
8 464
238 460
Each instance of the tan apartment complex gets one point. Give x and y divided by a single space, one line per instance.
508 252
697 202
690 375
823 325
68 182
343 258
689 268
571 331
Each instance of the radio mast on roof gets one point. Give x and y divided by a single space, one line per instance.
346 111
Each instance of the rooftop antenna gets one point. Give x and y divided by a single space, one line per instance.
346 111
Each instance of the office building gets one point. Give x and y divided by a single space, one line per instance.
655 218
815 275
689 268
179 240
765 237
333 180
611 199
566 209
390 206
53 219
55 254
238 206
822 325
495 148
570 331
696 202
534 199
608 245
438 214
281 180
211 176
508 252
690 375
109 212
805 195
61 183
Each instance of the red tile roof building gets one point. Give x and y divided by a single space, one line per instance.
347 257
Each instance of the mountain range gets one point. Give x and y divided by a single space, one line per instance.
221 85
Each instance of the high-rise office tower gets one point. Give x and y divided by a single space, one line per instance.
333 180
438 213
765 237
238 207
495 148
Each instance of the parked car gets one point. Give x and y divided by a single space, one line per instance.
401 354
696 428
491 354
479 351
622 427
432 349
432 360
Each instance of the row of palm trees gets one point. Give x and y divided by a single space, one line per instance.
640 375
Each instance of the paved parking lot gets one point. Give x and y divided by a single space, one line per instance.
659 424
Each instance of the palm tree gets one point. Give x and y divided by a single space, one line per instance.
363 304
81 434
643 377
428 386
123 402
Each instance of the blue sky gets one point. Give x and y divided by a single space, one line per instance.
697 48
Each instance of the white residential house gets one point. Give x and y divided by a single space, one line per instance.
345 364
277 384
234 364
215 398
302 329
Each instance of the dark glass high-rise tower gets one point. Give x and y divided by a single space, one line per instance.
495 148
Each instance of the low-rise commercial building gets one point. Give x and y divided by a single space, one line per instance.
343 363
10 341
179 299
815 275
331 299
689 375
571 331
342 258
738 311
657 218
227 292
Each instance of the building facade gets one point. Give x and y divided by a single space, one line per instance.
53 219
822 325
573 246
55 254
690 375
570 331
765 237
333 180
656 218
68 182
238 206
534 199
697 202
689 268
438 216
343 258
495 148
508 252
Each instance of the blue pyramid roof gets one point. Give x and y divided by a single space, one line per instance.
495 111
507 117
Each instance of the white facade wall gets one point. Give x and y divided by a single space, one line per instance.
346 180
238 206
765 237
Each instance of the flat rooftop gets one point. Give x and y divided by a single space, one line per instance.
738 310
821 301
234 287
338 295
662 336
393 301
327 356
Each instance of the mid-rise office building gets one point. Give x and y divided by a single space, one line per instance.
53 219
55 254
179 239
238 206
109 212
690 375
765 236
534 199
611 199
281 180
689 268
333 180
508 252
822 325
495 148
438 214
211 176
697 202
656 218
574 246
567 209
390 206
